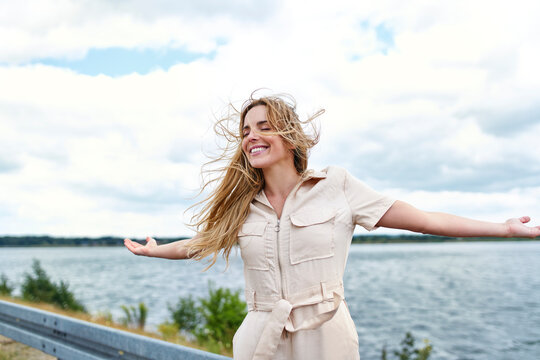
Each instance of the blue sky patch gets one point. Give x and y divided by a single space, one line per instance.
120 61
385 36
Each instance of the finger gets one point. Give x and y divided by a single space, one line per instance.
129 242
129 245
524 219
132 246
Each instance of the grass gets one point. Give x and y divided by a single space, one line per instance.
12 350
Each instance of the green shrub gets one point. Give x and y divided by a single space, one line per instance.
185 314
135 316
408 352
38 287
5 288
223 311
213 320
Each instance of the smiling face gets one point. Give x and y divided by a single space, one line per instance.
263 151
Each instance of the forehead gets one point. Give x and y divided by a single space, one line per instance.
255 115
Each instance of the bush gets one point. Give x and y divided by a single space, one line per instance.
5 288
213 320
135 317
39 288
408 351
223 312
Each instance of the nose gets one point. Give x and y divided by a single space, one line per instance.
252 136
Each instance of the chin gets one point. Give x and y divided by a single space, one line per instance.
256 166
259 164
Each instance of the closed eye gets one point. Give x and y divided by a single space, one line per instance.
261 125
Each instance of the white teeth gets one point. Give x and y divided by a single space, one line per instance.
257 150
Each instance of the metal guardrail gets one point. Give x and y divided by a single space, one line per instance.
72 339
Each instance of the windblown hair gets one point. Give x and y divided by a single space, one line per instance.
224 211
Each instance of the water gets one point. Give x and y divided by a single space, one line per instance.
471 300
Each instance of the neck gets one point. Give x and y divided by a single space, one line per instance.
280 181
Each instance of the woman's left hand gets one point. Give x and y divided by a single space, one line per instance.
516 228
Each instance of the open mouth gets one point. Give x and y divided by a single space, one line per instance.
257 149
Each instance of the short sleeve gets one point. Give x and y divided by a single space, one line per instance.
367 205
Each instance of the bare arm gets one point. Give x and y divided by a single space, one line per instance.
174 250
404 216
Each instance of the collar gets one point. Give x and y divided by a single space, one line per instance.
308 174
314 174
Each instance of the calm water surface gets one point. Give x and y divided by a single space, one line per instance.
471 300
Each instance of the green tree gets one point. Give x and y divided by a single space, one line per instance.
38 287
408 351
407 347
185 314
223 311
5 288
213 319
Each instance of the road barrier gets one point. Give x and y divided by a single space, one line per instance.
72 339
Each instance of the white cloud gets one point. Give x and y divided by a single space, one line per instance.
449 110
67 29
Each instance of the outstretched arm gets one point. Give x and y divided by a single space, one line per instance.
405 216
174 250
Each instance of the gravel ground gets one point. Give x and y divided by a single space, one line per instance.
11 350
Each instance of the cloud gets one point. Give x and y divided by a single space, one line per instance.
423 101
68 30
508 120
241 9
452 155
7 165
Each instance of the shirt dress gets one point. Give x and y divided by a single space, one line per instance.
293 268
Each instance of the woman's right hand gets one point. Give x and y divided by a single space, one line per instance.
139 249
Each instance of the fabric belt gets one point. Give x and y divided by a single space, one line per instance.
281 310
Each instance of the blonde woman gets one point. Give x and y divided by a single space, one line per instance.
294 229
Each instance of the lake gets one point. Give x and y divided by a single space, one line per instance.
477 300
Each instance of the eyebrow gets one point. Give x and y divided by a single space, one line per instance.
258 124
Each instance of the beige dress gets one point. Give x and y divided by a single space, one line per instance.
294 268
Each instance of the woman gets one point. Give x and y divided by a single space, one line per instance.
294 228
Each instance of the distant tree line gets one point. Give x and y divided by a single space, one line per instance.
32 240
70 241
406 238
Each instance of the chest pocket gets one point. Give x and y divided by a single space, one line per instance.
312 235
252 245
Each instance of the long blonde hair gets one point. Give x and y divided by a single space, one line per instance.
224 211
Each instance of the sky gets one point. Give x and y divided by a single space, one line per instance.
107 107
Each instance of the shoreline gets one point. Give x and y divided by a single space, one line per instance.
49 241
